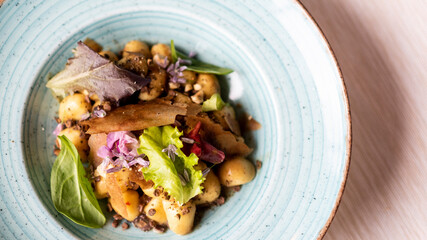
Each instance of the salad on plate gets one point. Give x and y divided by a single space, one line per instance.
147 130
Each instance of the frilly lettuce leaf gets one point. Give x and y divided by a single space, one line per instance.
165 172
90 71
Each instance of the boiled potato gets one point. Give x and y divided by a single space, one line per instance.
162 50
131 200
73 107
154 192
236 171
109 55
154 210
211 190
78 138
136 46
180 218
92 44
134 63
100 186
157 84
190 76
209 84
122 178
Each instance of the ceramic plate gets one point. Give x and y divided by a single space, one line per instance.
285 76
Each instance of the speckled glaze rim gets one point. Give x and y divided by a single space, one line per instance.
348 118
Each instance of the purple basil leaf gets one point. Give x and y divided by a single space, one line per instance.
88 70
211 154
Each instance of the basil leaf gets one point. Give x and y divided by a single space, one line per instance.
173 52
198 66
202 67
71 191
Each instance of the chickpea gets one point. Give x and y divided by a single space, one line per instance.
209 84
78 138
92 44
156 85
180 218
236 171
162 50
136 46
154 210
73 107
211 190
134 63
109 55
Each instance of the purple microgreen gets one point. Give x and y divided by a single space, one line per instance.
184 61
206 171
171 151
139 161
85 116
182 179
187 140
100 113
58 129
103 166
175 71
114 169
192 54
186 176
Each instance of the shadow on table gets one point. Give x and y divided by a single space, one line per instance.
377 117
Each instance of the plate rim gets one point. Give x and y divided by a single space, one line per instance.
349 138
347 113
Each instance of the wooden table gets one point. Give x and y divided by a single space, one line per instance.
381 46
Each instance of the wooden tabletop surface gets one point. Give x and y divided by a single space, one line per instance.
381 46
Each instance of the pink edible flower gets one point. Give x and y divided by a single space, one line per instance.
58 129
120 151
175 71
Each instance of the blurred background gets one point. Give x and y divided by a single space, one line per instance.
381 46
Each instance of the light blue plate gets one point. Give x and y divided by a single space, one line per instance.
285 76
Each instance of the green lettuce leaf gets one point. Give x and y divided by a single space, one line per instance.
214 103
71 192
164 171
